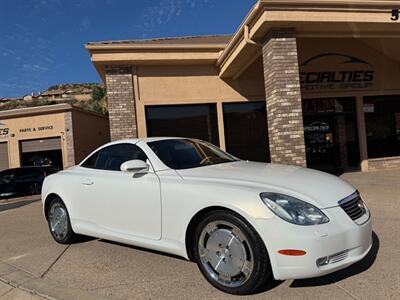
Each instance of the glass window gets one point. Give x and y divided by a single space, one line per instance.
382 121
331 134
191 121
246 133
27 171
91 161
111 158
185 154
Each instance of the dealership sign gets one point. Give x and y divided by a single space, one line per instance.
34 129
316 127
335 71
4 131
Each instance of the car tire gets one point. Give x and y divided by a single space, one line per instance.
59 222
35 188
230 254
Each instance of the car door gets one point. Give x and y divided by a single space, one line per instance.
119 201
7 183
24 177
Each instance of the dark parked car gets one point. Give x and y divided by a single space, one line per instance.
23 181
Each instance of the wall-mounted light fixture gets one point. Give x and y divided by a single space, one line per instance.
395 14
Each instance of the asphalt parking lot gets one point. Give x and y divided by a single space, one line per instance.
95 269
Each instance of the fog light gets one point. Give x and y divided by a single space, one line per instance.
323 261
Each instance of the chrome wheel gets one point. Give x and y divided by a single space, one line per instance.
225 253
58 219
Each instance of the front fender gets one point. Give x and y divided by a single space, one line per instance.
57 185
182 200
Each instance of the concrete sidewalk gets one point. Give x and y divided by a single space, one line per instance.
95 269
11 293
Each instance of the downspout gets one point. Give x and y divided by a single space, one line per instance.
236 36
247 38
249 41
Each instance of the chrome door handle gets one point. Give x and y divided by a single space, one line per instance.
87 181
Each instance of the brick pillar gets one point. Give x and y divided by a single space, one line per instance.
69 148
121 102
283 96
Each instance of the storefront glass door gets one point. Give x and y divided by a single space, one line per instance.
330 132
382 121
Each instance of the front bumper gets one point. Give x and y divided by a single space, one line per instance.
8 195
341 239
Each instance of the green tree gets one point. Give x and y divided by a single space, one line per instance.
99 100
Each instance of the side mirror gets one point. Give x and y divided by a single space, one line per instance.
135 166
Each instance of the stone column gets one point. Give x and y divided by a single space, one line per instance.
283 96
69 147
121 102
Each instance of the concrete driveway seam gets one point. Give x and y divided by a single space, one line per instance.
346 291
6 292
55 261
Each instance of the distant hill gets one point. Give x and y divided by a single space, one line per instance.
89 96
75 86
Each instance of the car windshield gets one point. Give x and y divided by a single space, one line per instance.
185 154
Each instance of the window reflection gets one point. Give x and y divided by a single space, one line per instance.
192 121
246 133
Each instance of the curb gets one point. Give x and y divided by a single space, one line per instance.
45 288
18 199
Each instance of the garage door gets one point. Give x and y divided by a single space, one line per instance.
41 145
3 156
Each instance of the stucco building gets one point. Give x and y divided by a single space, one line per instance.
59 135
310 83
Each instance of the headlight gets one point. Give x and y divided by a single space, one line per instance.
294 210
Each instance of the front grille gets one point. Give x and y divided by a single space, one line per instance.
332 259
353 206
338 256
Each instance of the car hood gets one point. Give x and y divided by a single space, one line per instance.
321 189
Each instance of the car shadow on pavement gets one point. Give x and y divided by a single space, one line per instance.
269 286
352 270
7 206
142 249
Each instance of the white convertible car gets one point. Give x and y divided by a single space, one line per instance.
243 222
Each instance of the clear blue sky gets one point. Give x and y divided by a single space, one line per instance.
42 41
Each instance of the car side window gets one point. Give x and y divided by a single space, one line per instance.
111 158
20 173
91 161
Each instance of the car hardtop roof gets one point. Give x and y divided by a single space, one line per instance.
146 140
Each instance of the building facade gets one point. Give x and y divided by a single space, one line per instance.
309 83
59 135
